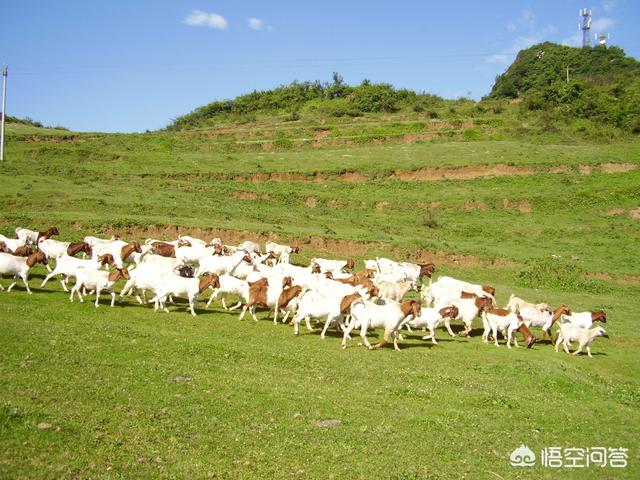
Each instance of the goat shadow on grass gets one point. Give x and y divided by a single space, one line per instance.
585 354
413 336
403 345
34 290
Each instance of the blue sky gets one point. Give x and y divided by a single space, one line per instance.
134 65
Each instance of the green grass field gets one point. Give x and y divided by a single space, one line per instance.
128 393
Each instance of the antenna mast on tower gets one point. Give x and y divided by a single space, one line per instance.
585 26
602 38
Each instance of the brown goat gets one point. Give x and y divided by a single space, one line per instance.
207 281
129 248
426 270
74 248
163 249
285 298
23 251
50 232
489 290
37 257
119 273
529 337
106 259
557 313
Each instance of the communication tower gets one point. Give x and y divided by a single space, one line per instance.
585 26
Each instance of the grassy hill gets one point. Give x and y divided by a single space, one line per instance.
493 192
603 84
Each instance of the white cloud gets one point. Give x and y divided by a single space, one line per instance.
608 5
520 43
601 24
498 58
528 34
527 18
574 40
255 23
198 18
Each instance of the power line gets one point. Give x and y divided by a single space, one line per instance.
80 68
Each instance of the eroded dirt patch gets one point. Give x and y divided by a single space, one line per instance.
245 195
614 212
585 169
523 206
311 202
336 203
617 167
321 133
469 172
560 169
463 173
355 177
474 205
332 246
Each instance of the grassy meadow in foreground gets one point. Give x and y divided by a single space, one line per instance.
126 393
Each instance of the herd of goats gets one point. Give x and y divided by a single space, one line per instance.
325 290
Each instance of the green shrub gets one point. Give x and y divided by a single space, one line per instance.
557 273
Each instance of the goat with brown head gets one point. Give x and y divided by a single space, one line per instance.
23 251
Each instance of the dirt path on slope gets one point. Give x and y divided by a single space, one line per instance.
468 172
334 246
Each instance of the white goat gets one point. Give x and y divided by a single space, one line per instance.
543 319
28 236
394 290
193 241
250 246
221 264
516 304
93 241
430 318
149 276
570 333
282 251
332 265
188 288
67 267
230 285
19 267
447 289
389 316
501 319
12 243
585 319
97 280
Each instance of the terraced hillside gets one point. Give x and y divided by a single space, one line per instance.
126 393
487 199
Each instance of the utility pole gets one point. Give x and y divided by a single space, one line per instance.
567 73
4 109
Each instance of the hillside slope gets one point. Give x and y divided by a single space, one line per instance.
603 83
